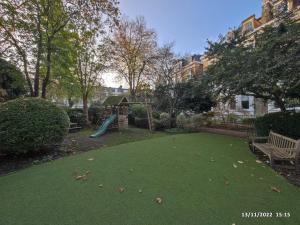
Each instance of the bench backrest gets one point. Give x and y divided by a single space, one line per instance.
287 144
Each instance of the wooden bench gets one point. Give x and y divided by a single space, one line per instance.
74 128
278 148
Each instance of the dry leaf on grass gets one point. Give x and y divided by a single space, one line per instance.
140 191
91 159
80 177
234 165
227 182
258 161
158 200
100 185
240 162
275 189
121 190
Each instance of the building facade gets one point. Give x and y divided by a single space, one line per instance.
271 12
189 68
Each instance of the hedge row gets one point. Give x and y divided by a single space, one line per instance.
285 123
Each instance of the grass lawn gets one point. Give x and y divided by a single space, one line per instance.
194 174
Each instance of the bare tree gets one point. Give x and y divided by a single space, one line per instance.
133 52
165 69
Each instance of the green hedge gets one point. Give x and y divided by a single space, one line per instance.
285 123
141 122
30 125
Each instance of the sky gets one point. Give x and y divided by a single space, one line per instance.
188 23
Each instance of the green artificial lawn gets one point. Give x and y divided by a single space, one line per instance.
194 174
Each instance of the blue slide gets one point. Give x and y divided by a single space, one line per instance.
103 128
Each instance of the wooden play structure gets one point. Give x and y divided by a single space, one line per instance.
119 105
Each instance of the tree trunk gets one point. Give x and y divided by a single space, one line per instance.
85 107
28 79
48 69
37 66
280 104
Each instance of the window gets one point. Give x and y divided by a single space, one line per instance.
281 7
245 102
248 27
296 3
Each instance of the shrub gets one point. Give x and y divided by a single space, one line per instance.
285 123
96 111
138 111
163 123
131 119
155 115
181 120
232 118
77 116
141 122
248 121
30 125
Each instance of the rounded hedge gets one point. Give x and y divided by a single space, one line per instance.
285 123
31 125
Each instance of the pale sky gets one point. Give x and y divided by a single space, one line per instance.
188 23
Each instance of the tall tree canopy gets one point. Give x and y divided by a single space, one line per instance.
267 67
30 28
134 52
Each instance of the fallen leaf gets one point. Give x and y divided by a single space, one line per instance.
226 182
240 162
100 185
231 145
252 175
258 161
140 191
261 178
275 189
121 190
80 177
235 166
210 180
91 159
158 200
131 170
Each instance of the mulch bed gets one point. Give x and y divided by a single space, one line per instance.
288 173
73 144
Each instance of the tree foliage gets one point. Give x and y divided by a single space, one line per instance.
266 67
192 95
29 30
12 82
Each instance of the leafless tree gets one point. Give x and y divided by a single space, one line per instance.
134 52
